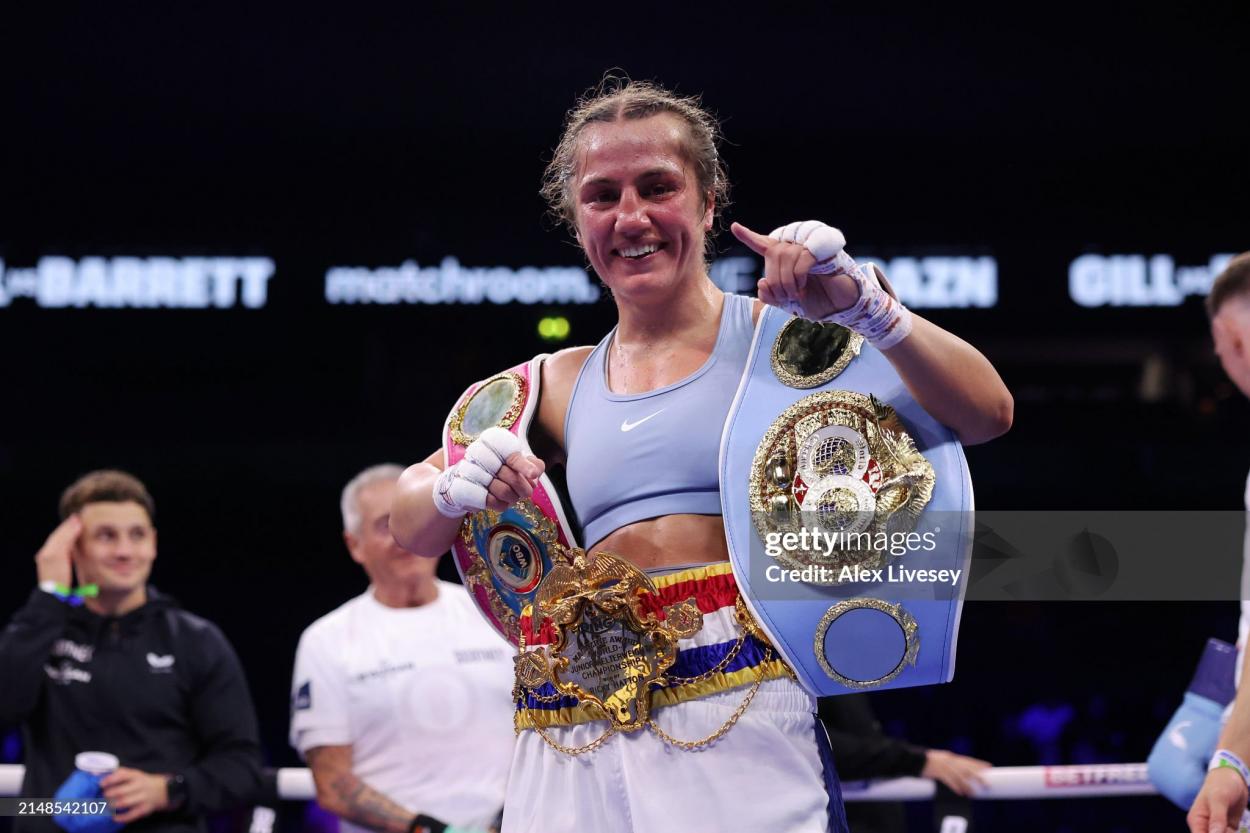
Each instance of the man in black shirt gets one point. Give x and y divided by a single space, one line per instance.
122 669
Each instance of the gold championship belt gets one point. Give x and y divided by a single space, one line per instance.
590 628
606 651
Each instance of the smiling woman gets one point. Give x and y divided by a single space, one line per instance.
638 210
645 628
696 143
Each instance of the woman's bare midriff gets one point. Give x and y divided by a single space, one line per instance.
669 541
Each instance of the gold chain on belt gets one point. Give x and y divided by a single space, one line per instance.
691 745
687 745
749 628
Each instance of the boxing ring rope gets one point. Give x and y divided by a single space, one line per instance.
1018 782
1001 783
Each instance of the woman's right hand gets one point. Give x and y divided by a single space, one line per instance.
431 501
493 474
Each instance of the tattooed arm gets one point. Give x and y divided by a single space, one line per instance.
340 792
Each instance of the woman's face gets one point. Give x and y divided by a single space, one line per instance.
640 215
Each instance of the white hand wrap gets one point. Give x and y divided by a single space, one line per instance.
825 243
463 487
877 315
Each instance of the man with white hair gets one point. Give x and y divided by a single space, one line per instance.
401 699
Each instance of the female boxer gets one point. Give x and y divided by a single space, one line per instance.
636 422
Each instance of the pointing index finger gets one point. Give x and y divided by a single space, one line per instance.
754 241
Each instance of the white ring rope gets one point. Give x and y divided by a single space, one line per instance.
1001 782
1018 782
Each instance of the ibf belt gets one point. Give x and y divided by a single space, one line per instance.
840 495
609 649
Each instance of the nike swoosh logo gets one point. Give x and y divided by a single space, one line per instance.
626 425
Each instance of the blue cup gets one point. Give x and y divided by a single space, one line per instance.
83 784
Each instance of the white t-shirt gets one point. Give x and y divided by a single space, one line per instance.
423 696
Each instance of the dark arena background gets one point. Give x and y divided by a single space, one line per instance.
244 254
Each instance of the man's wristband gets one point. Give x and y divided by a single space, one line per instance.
73 597
1223 759
422 823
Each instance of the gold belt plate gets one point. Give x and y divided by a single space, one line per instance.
840 462
607 652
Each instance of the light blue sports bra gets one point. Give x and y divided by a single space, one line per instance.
638 456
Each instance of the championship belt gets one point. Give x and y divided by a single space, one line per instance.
847 511
586 624
504 557
606 649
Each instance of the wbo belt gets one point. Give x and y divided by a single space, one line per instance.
504 557
607 642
